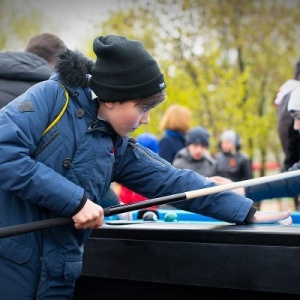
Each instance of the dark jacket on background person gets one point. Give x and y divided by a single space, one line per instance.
289 138
21 70
231 163
293 107
235 167
170 144
18 72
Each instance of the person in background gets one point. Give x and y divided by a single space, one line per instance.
175 123
294 110
149 140
231 163
195 155
21 70
281 188
289 137
116 94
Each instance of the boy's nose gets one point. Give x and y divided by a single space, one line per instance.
146 118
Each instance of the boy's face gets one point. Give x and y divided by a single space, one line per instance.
124 117
196 151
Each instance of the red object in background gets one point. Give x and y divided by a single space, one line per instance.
272 165
232 162
127 196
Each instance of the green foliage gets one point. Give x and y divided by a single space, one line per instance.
224 59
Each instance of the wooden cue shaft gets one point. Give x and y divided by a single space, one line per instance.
241 184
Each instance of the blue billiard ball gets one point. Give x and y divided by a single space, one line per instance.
171 217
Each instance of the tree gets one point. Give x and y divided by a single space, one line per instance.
223 59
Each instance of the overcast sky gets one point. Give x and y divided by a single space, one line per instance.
73 20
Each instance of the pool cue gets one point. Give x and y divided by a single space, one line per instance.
113 210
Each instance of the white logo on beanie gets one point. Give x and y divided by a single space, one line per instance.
162 86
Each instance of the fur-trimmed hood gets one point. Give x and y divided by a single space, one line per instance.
73 68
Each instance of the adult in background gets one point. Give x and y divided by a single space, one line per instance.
175 123
281 188
231 163
289 137
294 110
21 70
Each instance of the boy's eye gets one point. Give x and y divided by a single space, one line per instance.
145 108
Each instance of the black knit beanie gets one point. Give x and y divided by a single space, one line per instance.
124 70
197 135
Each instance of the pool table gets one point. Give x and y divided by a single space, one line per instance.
194 258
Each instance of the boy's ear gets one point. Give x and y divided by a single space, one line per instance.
109 104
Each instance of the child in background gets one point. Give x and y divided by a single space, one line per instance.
231 163
195 155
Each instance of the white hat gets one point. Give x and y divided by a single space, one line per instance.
231 136
294 100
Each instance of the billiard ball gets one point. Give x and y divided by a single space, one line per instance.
149 216
287 221
171 217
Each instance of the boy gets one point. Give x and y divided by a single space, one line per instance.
67 170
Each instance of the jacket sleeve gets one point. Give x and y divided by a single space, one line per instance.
22 122
289 187
144 172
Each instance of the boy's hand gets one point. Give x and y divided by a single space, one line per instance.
281 218
90 216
